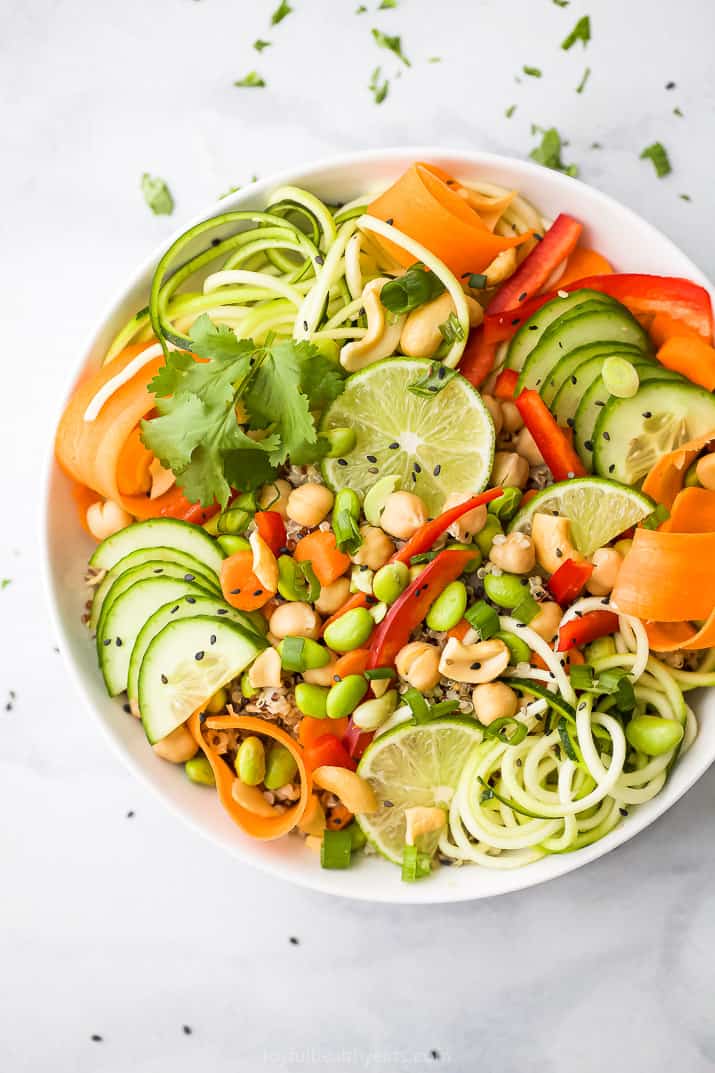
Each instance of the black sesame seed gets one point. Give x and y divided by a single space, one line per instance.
574 380
434 1055
342 461
436 471
612 467
372 469
533 327
164 680
174 609
475 666
235 592
588 444
305 325
191 599
189 577
394 446
118 642
646 414
606 600
670 85
390 221
606 435
600 402
186 1029
320 260
371 458
159 570
516 320
417 467
387 804
522 296
623 811
198 656
95 1038
212 639
221 611
559 553
441 372
570 422
107 641
130 814
258 592
294 940
337 678
126 708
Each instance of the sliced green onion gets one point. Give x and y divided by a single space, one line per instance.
432 382
415 865
297 581
482 618
581 676
336 848
443 707
423 557
620 377
527 610
293 654
347 533
417 704
508 730
234 520
416 287
625 696
477 281
505 507
375 673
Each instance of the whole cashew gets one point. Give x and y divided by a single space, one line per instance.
382 337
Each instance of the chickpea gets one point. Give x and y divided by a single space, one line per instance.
510 469
403 514
376 548
546 623
511 418
494 700
106 519
704 471
526 447
309 504
295 620
515 554
606 564
274 496
494 407
470 523
177 747
418 664
265 671
476 663
333 596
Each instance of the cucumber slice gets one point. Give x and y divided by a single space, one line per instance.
570 363
159 532
589 323
145 572
124 620
632 434
569 395
595 398
530 333
185 664
185 607
193 569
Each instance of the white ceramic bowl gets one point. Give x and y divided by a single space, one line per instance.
632 245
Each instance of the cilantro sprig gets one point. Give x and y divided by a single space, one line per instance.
548 152
229 421
391 42
581 32
657 153
157 195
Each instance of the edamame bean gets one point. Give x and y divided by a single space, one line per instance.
232 544
349 501
601 648
505 507
473 563
371 714
349 631
280 767
247 689
449 607
251 761
519 651
342 441
344 697
485 538
507 590
312 655
390 581
310 699
199 770
217 703
654 736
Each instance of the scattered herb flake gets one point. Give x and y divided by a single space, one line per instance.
361 10
259 45
580 32
685 197
584 79
533 72
385 5
410 291
548 153
282 11
393 43
678 112
562 3
434 59
596 145
510 111
227 193
378 88
252 80
657 153
4 582
157 195
432 382
451 330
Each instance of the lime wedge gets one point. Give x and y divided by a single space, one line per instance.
436 445
598 509
414 764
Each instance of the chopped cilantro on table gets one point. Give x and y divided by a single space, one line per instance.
434 59
281 12
259 45
581 32
533 72
275 386
584 79
378 87
361 9
384 5
548 153
678 112
685 197
658 155
157 195
391 42
4 582
510 111
562 3
252 81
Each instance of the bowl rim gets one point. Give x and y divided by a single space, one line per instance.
318 879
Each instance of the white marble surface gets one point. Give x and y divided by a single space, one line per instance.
129 927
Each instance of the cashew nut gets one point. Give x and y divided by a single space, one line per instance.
265 564
510 469
546 623
476 663
418 664
423 820
515 554
333 596
355 792
265 671
494 407
606 564
526 447
551 535
106 519
322 676
512 420
177 747
421 337
382 337
251 798
501 267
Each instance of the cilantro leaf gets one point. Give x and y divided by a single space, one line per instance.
259 45
321 380
581 32
251 81
562 3
361 9
170 375
378 89
584 79
281 12
384 5
549 153
393 43
248 469
534 72
657 153
4 582
274 398
510 111
157 195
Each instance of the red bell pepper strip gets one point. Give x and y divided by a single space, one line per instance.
176 505
426 535
568 581
506 384
409 609
551 440
535 269
327 749
271 528
477 361
643 295
580 631
356 740
358 600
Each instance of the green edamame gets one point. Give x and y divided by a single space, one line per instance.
302 654
311 699
371 714
199 770
217 703
344 697
601 648
231 544
347 500
296 581
247 689
485 538
505 507
519 651
390 581
349 631
653 735
506 590
342 441
280 767
251 761
449 607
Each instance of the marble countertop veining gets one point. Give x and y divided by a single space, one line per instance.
116 921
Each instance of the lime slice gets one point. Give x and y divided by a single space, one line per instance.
597 508
436 445
414 764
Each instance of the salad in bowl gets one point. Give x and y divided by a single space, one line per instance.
404 522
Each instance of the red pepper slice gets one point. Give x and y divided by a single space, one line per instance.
506 384
176 505
271 528
551 440
643 295
409 609
580 631
535 269
477 361
426 535
356 740
327 750
568 581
